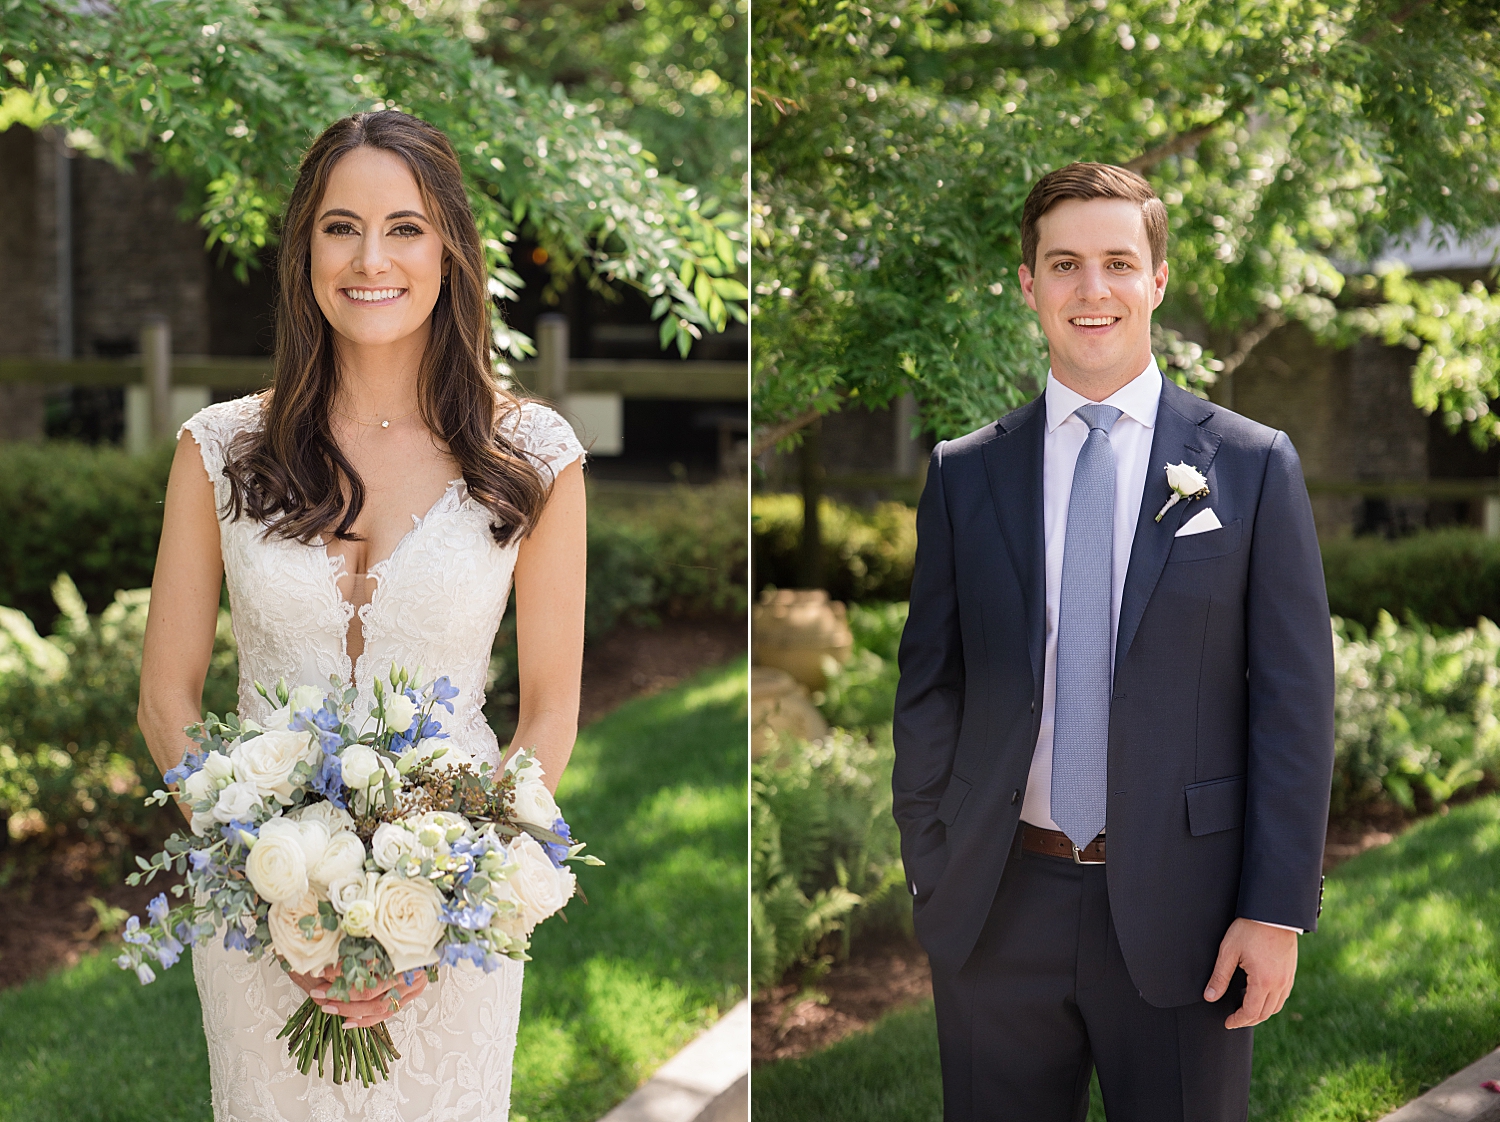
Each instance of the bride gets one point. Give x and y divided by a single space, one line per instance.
372 508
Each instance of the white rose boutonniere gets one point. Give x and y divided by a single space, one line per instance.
1187 482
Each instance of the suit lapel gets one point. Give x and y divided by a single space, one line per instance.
1013 465
1179 438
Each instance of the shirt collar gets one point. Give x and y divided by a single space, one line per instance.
1137 398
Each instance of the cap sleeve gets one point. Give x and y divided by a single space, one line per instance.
214 428
544 435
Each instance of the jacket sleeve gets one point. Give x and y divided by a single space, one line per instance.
1289 646
929 697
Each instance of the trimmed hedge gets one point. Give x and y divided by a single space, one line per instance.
1446 578
95 513
867 555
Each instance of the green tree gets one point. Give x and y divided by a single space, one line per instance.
893 150
226 95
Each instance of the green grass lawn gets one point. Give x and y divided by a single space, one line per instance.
657 788
1399 988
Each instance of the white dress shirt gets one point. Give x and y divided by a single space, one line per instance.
1131 439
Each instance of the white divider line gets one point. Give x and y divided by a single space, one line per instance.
1459 1098
687 1084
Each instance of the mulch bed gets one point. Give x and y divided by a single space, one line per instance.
883 974
49 922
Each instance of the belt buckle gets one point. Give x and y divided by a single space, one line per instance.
1077 860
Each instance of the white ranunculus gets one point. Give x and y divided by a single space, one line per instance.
266 761
535 804
359 920
304 955
1186 480
533 883
361 765
306 697
277 865
343 857
390 843
407 921
333 818
343 894
219 766
200 786
275 721
399 711
238 800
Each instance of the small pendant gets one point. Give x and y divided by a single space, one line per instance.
385 424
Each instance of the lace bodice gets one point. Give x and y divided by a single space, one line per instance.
437 602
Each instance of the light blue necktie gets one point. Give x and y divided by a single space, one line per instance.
1080 726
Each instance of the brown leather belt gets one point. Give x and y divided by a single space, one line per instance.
1055 843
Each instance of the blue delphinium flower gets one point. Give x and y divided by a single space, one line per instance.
328 780
158 908
233 829
467 916
200 859
493 962
454 953
167 951
133 933
443 692
324 724
191 762
236 940
558 852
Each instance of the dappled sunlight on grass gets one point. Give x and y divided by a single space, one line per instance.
1398 989
658 952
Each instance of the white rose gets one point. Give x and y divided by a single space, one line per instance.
304 955
407 920
359 920
536 886
1185 479
535 804
200 786
202 821
345 893
453 754
399 711
277 866
343 857
306 697
266 761
333 818
361 765
390 843
219 766
238 800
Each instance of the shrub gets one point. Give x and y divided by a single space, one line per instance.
92 512
825 854
1414 712
867 555
1446 578
72 761
861 694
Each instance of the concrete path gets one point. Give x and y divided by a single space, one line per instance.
1459 1098
708 1081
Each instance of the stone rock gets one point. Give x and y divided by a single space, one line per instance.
795 629
779 704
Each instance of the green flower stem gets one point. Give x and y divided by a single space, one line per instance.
313 1034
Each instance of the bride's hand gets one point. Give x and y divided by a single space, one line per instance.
368 1007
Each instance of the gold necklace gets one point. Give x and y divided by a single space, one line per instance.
371 424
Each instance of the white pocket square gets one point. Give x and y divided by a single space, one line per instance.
1199 523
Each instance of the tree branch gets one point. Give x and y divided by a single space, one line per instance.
1397 20
1249 340
767 439
1182 141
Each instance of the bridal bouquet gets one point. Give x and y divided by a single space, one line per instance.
379 852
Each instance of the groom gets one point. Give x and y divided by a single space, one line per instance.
1114 727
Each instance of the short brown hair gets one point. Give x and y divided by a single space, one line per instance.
1093 181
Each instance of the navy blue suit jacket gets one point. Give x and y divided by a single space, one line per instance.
1221 720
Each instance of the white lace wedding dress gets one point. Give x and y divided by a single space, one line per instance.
437 603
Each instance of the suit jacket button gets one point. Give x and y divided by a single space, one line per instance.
1015 796
1033 707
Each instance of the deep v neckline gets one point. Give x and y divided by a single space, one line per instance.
337 567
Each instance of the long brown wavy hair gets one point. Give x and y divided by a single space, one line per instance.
291 474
